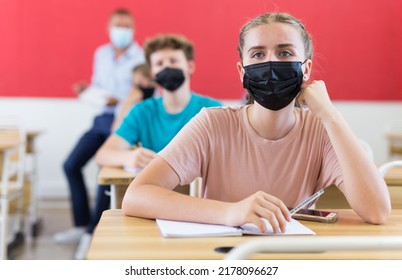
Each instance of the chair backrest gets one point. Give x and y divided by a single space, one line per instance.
316 244
388 166
395 190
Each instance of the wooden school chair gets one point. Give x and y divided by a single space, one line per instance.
12 159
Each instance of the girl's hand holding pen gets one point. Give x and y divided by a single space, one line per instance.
257 206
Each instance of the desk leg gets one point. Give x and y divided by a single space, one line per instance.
33 211
120 192
113 202
116 195
3 226
195 187
3 232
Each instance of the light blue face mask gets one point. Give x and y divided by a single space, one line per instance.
121 37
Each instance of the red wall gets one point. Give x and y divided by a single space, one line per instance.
47 45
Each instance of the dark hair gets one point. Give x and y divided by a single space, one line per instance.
168 41
121 12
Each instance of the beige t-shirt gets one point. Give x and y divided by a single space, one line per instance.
234 162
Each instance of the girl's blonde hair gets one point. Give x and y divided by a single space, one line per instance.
281 18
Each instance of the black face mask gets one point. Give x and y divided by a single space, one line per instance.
147 92
170 78
273 84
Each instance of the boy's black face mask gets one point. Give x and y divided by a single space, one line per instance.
273 84
170 78
147 92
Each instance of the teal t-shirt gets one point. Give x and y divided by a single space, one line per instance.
148 122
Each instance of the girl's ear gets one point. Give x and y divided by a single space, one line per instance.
240 69
307 69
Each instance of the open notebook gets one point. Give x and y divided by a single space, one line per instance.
187 229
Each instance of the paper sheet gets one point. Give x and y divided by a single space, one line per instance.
94 96
188 229
132 169
292 228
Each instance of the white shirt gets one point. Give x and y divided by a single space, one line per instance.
115 75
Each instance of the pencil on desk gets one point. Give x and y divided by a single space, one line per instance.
307 201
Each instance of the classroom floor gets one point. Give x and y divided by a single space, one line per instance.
54 216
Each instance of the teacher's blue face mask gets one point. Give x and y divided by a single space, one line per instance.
121 37
273 84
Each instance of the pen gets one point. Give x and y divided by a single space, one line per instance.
307 201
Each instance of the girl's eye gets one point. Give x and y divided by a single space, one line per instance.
257 55
285 53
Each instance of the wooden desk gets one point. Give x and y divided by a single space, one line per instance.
115 176
7 145
119 180
394 177
394 143
121 237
